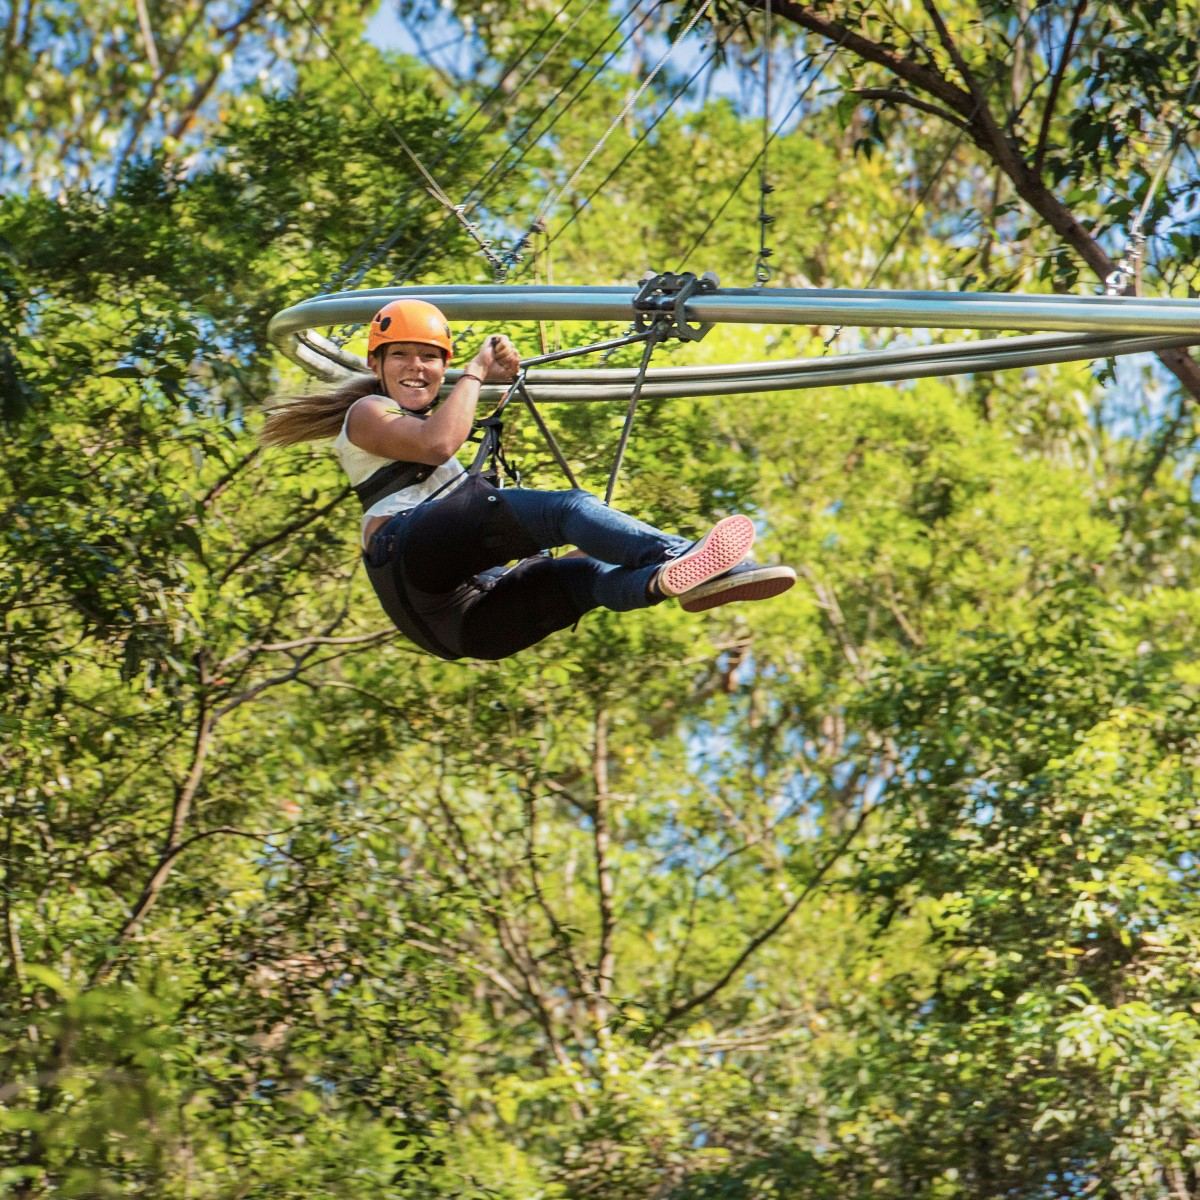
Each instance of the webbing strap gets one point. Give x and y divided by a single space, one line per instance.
394 477
490 431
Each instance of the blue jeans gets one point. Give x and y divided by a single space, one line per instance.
439 571
623 552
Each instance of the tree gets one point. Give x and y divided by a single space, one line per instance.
1063 102
882 889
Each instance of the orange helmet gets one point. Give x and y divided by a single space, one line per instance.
409 321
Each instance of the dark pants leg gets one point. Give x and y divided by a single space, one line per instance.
447 554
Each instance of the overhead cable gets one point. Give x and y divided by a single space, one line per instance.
398 232
417 259
579 209
549 202
342 274
431 184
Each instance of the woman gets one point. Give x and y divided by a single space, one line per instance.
436 538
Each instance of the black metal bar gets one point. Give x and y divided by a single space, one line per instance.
551 441
627 428
593 348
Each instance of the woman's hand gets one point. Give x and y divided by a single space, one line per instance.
497 360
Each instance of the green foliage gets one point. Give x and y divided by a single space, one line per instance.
886 888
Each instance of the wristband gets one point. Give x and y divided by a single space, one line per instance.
468 375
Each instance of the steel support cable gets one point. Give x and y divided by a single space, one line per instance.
342 275
547 435
432 186
417 260
578 211
382 249
909 218
1130 262
518 387
550 201
657 332
655 336
762 271
737 187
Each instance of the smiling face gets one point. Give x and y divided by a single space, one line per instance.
410 372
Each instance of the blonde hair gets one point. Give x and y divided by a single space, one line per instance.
308 417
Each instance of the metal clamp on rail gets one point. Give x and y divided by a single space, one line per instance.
666 296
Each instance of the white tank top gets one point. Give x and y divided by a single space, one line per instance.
360 465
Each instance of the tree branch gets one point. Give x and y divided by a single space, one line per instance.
561 937
148 36
185 794
602 847
12 936
300 523
898 96
925 78
970 104
760 939
1039 152
361 639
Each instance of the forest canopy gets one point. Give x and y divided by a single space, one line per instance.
885 888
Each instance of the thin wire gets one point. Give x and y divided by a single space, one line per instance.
909 218
1130 262
417 259
551 200
762 271
396 234
737 187
431 184
577 212
563 111
343 272
1165 164
631 412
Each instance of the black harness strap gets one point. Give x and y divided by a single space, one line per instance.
490 431
393 477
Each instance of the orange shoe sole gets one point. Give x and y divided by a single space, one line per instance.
718 551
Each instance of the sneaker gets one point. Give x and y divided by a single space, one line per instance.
748 581
718 551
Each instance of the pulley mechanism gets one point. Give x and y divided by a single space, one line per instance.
661 304
659 314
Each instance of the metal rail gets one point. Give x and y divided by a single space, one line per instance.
1087 327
